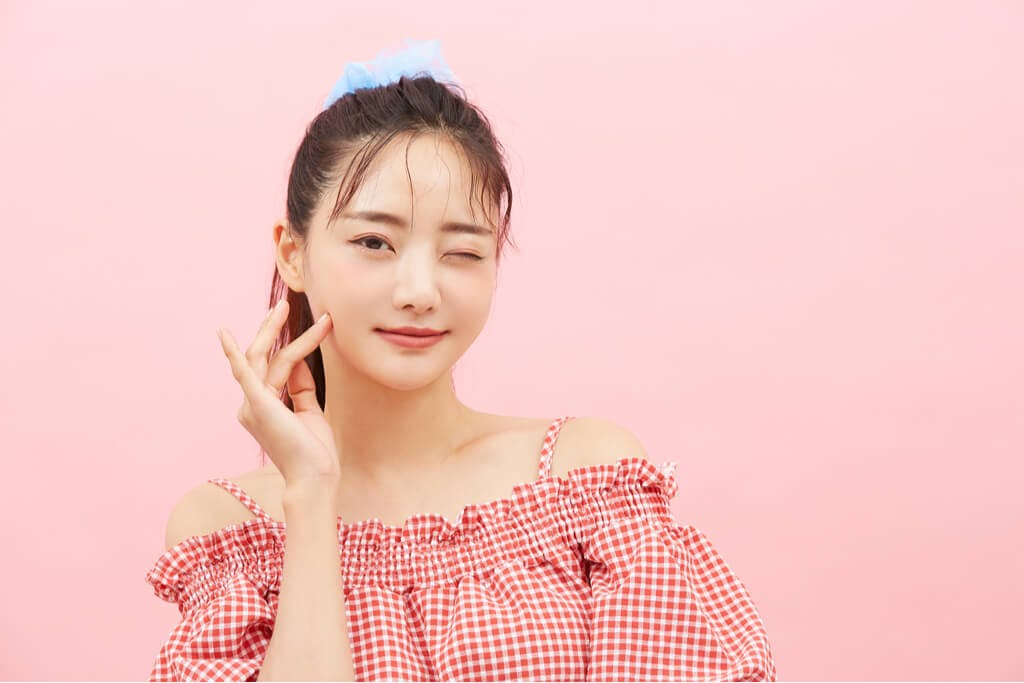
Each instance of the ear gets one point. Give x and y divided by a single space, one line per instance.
288 255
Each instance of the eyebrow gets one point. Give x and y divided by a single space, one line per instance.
398 222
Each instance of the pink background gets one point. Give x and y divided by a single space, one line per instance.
781 242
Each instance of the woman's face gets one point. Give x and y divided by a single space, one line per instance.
422 268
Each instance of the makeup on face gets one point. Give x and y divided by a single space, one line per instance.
409 341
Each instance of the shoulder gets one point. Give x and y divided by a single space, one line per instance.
207 508
586 441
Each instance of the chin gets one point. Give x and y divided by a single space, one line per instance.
408 374
406 382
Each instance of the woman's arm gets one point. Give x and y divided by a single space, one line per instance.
310 638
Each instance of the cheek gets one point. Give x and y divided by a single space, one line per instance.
345 280
475 298
346 304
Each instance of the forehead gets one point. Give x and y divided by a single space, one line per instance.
426 174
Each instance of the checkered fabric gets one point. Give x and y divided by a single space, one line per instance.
582 577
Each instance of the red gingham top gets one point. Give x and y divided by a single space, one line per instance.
585 577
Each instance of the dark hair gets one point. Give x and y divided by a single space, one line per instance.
351 132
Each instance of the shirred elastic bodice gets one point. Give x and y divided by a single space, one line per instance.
580 577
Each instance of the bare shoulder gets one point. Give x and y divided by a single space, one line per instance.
207 508
590 440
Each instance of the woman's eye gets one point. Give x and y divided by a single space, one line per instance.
369 239
373 240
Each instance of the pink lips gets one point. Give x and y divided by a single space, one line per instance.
410 341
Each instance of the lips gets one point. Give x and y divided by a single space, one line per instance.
411 341
412 331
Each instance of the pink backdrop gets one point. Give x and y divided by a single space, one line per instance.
781 242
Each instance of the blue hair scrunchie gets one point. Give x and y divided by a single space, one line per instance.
418 57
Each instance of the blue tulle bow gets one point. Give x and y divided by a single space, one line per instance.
418 57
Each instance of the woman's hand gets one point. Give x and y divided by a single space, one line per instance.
300 443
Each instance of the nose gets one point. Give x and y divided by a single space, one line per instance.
416 282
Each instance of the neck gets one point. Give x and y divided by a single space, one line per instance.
389 435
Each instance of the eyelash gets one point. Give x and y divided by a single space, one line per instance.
360 241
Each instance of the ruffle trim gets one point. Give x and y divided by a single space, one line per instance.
553 510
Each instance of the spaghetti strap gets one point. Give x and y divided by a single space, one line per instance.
243 497
548 447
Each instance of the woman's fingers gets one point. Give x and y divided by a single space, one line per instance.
302 388
299 441
283 363
240 369
259 351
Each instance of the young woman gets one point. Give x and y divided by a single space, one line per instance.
425 540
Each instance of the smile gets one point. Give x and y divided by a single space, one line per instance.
409 341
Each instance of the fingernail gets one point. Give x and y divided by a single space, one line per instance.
322 318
